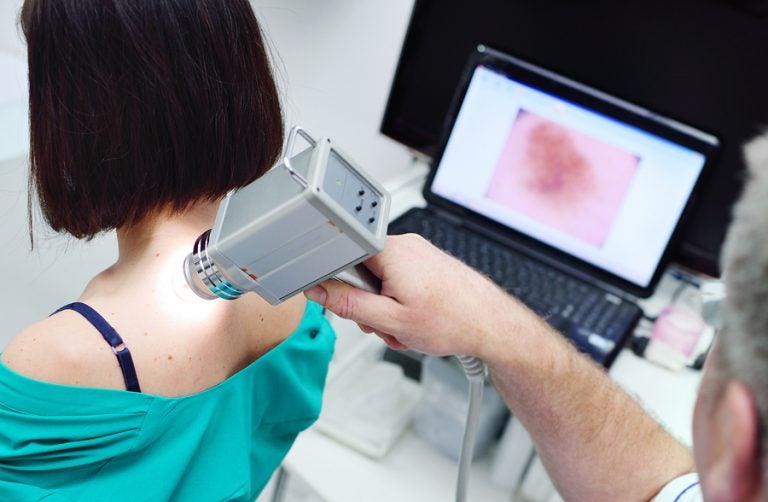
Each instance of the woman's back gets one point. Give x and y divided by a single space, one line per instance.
225 386
180 344
223 443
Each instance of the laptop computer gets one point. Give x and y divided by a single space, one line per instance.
567 197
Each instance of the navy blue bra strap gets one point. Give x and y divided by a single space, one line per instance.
119 347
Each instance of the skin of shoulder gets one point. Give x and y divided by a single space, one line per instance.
65 349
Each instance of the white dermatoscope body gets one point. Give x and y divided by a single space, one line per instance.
316 215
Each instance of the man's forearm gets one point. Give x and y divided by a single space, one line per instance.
595 440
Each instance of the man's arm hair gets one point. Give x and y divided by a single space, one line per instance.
595 440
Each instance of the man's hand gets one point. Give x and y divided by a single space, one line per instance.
429 301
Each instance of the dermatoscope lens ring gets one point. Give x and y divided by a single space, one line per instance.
208 272
190 275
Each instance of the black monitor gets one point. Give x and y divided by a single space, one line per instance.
698 61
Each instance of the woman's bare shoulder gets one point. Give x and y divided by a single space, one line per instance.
62 349
205 346
269 325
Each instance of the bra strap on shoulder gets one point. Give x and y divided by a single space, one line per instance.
115 341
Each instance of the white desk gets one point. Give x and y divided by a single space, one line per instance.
413 470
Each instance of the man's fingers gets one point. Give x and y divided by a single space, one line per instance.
317 294
393 342
365 328
374 311
394 247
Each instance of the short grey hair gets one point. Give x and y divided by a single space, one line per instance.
744 338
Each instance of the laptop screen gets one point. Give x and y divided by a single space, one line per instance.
591 185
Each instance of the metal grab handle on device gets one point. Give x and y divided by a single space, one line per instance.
296 131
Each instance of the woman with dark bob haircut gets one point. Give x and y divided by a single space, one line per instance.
144 114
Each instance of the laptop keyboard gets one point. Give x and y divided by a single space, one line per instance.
598 322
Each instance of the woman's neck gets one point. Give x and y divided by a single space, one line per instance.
162 234
151 253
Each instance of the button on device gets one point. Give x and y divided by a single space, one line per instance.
361 192
374 204
358 208
371 219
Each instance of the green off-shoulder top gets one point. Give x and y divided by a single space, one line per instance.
87 444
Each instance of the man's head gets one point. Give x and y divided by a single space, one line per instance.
732 408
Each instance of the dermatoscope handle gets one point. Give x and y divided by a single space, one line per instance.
360 277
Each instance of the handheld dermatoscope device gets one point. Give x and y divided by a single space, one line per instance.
315 215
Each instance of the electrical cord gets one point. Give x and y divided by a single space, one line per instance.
476 372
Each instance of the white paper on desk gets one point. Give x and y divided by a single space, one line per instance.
369 407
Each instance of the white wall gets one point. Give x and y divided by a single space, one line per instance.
10 34
335 61
34 283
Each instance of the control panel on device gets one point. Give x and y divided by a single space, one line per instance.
351 191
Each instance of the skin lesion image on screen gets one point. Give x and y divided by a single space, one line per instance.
562 178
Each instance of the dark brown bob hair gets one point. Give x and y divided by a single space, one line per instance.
143 105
